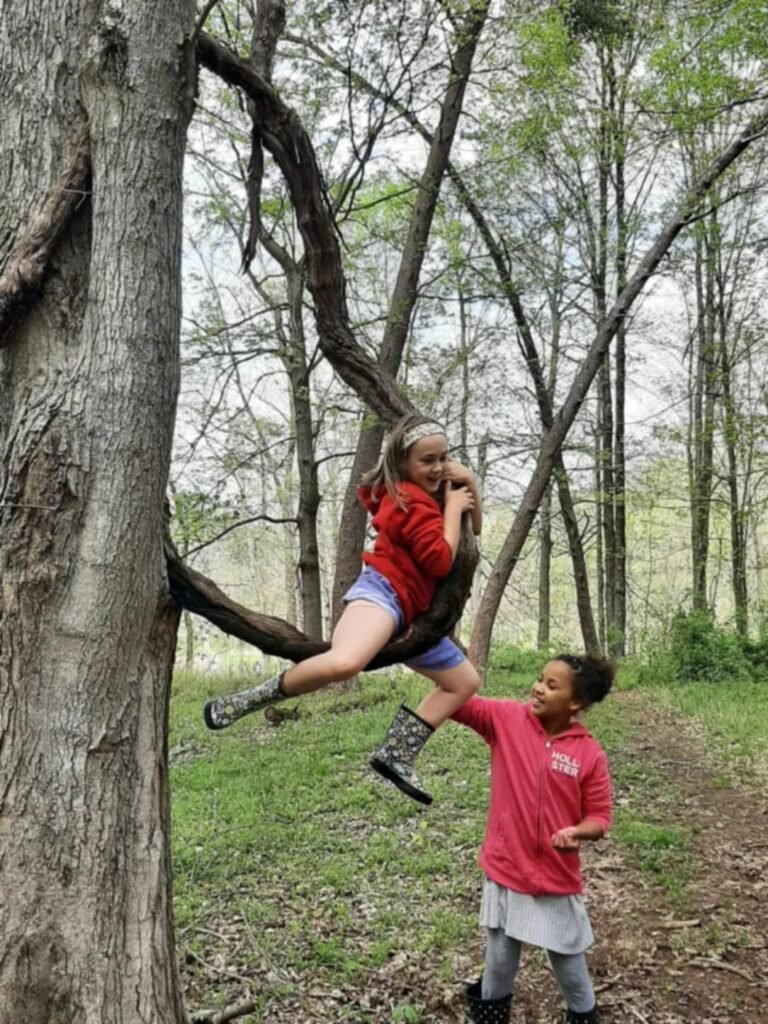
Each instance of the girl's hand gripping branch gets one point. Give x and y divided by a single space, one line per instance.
455 473
456 502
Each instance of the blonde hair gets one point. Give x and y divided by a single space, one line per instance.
387 474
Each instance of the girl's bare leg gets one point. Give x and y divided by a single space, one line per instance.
360 633
453 687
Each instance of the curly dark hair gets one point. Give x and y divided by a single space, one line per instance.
592 676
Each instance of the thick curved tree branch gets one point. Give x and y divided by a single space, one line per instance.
24 272
200 595
283 135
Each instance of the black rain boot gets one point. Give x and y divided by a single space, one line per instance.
394 759
486 1011
576 1017
223 711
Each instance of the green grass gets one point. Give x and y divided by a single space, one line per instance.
732 718
292 861
324 868
661 851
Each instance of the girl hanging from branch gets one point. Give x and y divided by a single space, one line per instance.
416 495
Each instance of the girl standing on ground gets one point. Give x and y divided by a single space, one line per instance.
550 791
417 496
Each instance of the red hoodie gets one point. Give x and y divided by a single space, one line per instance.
410 549
539 784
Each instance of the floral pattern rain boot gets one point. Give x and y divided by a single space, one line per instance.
223 711
394 759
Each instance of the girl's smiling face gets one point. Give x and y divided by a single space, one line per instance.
553 698
424 462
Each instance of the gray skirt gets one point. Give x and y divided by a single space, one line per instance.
559 923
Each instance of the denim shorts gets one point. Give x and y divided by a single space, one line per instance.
374 588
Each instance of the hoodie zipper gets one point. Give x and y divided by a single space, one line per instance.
542 770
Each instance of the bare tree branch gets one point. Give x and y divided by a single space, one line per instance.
203 17
237 525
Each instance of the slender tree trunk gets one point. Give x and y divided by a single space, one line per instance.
269 21
87 632
736 476
605 434
736 516
599 541
703 406
309 486
545 568
404 295
465 351
605 403
619 507
618 647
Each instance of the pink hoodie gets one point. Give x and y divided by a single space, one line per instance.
539 784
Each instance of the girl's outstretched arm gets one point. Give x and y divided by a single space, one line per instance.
478 714
455 473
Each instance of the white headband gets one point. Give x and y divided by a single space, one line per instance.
421 430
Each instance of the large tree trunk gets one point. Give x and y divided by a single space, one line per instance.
87 633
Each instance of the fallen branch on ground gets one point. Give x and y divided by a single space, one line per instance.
238 1009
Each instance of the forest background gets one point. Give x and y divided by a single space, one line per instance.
581 125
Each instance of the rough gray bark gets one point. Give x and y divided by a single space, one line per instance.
564 418
24 267
87 633
405 293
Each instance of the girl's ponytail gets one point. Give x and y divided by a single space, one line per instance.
593 676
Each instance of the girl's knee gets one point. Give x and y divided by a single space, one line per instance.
345 667
472 683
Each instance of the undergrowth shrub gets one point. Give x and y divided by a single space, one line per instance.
695 648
